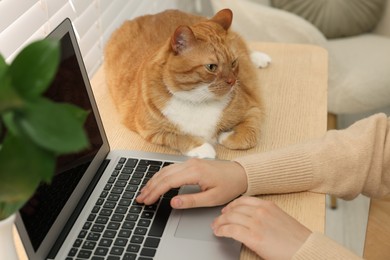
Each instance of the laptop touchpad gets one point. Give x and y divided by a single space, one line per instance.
196 223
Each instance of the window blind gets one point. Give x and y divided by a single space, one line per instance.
23 21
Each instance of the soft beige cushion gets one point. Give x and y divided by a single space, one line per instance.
337 18
359 74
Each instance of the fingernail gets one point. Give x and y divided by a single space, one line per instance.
140 196
177 203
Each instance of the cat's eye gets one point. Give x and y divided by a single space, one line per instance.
234 63
211 67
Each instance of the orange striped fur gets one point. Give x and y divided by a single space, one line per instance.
185 82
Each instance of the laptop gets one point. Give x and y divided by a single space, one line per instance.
89 209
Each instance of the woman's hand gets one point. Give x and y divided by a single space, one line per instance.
261 226
219 181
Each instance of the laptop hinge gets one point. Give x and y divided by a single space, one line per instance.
69 224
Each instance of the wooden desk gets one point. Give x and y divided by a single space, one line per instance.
295 95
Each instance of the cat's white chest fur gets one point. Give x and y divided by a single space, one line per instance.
198 119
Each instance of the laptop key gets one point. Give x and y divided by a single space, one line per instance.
72 251
109 205
148 252
131 188
150 162
120 241
84 254
171 193
113 225
153 168
147 214
117 190
144 222
109 233
124 202
82 234
106 212
128 225
115 173
87 225
133 248
124 233
93 236
121 210
97 228
117 217
116 250
101 251
127 170
113 197
137 239
135 209
89 245
161 218
105 242
140 231
129 256
124 177
152 242
131 162
101 220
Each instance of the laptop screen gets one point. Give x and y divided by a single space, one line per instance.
40 213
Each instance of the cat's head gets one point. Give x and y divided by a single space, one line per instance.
202 65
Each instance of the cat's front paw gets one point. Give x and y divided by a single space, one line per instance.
233 140
260 59
206 150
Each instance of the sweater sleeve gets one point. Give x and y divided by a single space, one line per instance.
318 246
343 162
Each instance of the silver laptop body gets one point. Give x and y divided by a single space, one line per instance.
89 209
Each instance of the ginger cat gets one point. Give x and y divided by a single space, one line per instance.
185 82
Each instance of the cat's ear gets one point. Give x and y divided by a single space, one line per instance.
224 18
182 39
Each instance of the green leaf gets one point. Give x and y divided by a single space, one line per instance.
9 98
9 208
34 67
3 66
9 121
57 127
23 165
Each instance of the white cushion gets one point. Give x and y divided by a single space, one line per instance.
359 74
257 22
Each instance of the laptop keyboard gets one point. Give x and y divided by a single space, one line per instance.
118 227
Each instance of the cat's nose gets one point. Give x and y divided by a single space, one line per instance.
231 81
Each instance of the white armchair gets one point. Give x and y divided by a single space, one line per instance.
359 66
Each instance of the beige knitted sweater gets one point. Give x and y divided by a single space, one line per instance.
344 163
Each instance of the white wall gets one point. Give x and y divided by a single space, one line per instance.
23 21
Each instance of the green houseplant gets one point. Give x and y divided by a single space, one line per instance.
34 130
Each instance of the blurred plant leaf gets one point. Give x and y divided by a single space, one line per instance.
57 127
9 98
35 67
3 66
23 165
8 208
